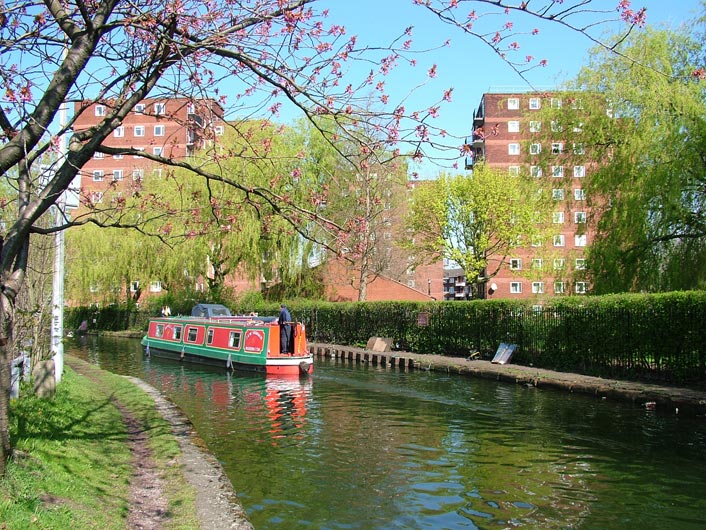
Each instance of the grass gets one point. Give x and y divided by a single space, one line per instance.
71 464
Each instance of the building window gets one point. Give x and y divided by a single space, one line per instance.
119 132
96 197
558 194
559 240
513 149
157 151
410 283
535 103
140 108
556 126
579 217
580 240
558 171
515 287
515 264
537 287
557 148
580 264
513 126
218 129
581 287
134 286
513 103
139 130
559 287
578 149
138 149
157 172
579 171
535 149
536 241
117 174
555 103
558 218
159 108
99 110
156 287
579 194
535 126
97 175
137 173
98 155
536 171
513 171
537 263
159 130
118 157
559 264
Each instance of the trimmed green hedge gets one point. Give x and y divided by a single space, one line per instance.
648 337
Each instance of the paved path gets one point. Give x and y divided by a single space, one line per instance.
664 398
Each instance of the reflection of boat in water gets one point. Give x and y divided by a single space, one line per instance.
236 342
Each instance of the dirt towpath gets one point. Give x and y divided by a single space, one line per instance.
659 397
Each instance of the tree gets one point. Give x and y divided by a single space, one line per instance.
468 218
117 53
648 184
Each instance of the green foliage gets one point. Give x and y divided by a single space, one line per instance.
468 218
648 185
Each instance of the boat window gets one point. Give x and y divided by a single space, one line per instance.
192 334
234 340
159 331
210 337
177 332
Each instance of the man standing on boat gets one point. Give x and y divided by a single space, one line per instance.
285 329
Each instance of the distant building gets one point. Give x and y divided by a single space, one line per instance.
506 135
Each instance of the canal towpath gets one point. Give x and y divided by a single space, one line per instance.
664 398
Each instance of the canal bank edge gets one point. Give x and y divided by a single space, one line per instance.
217 505
673 400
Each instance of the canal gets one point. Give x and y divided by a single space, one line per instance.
360 447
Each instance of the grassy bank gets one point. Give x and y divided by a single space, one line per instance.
72 468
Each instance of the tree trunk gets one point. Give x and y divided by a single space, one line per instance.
6 350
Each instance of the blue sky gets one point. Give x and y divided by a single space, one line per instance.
468 65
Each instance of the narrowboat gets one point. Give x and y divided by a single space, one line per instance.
211 335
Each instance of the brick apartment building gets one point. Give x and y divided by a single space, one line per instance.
506 135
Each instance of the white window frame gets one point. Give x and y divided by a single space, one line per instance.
579 171
580 264
139 131
558 194
515 287
138 173
118 156
157 172
535 103
160 130
579 194
138 149
513 171
513 126
513 148
515 264
96 197
581 287
156 287
98 155
555 103
537 287
119 131
559 240
157 150
160 108
579 149
580 217
513 103
219 130
580 240
556 126
99 110
559 264
537 263
140 108
536 171
535 126
98 175
134 286
535 148
558 172
557 148
117 174
559 287
558 218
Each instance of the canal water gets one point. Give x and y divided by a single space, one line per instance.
360 447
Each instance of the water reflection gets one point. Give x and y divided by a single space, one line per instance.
359 447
